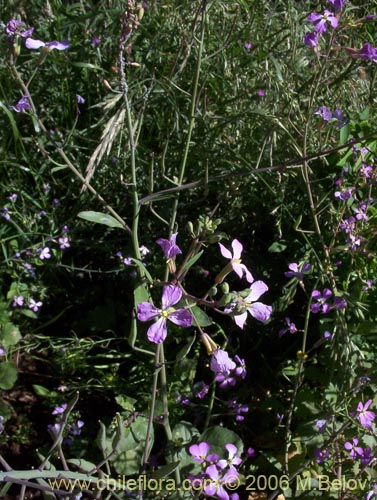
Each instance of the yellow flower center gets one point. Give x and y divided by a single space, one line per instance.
164 314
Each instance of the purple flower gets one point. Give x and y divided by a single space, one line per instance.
311 39
366 52
44 253
261 92
169 246
22 105
327 335
235 262
95 41
15 27
64 242
59 410
199 453
345 194
321 425
320 20
18 301
353 449
75 429
79 99
250 452
239 408
219 480
291 328
201 389
35 306
295 272
321 455
321 298
144 251
157 331
365 417
368 285
221 362
13 197
240 370
372 493
337 4
248 45
338 115
36 44
258 310
368 457
366 171
232 457
325 113
340 303
225 381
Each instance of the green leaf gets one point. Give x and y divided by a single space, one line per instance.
100 218
82 465
165 470
344 134
185 349
9 335
101 438
277 247
202 319
192 261
277 68
126 402
218 437
8 375
183 433
44 393
143 270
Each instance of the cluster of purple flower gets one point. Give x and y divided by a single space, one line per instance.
216 473
320 21
20 301
327 115
73 429
355 222
226 369
321 304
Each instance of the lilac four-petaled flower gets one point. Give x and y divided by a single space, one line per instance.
33 44
320 21
146 311
22 105
258 310
297 272
235 260
365 416
169 247
321 301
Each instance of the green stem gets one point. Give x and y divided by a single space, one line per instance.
192 115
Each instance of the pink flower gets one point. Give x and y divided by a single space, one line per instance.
235 262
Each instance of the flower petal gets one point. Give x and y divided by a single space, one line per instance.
64 45
240 319
224 252
260 311
147 311
237 249
157 331
181 317
30 43
256 290
170 296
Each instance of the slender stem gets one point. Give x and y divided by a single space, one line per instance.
192 114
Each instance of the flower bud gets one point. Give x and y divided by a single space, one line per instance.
209 344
